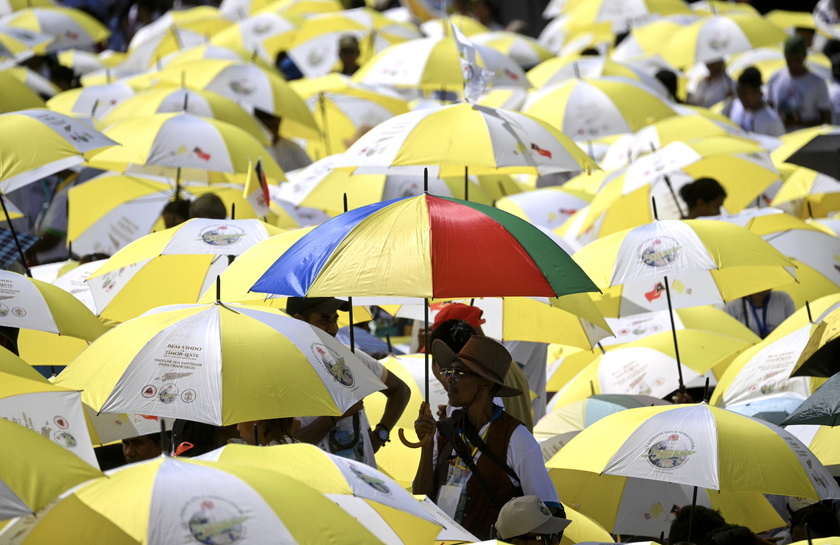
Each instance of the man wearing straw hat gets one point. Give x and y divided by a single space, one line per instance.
481 457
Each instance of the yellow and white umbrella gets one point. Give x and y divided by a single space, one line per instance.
486 140
83 62
526 51
35 471
560 69
812 193
168 500
18 44
702 261
770 60
713 38
563 36
621 14
94 101
210 51
822 441
138 277
249 85
585 109
549 207
343 109
629 147
219 364
649 366
264 34
70 28
16 95
390 512
178 99
626 199
315 46
303 8
432 64
762 373
61 142
645 40
236 10
31 304
52 411
634 506
184 141
698 445
438 27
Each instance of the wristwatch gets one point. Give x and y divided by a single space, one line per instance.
382 433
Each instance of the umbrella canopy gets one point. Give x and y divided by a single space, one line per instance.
362 491
220 365
16 95
763 371
70 28
250 85
705 262
184 141
432 247
649 366
698 445
32 304
822 407
822 441
712 38
167 499
635 506
621 14
586 109
62 142
559 69
176 100
526 51
819 153
432 64
448 139
819 357
314 48
265 34
549 207
35 471
139 276
813 194
94 101
575 416
47 409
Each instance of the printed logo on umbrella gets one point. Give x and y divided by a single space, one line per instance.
214 521
221 235
670 450
718 41
660 252
333 363
241 86
373 482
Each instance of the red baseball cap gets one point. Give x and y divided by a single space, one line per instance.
459 311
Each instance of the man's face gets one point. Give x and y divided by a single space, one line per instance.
463 386
749 97
137 449
795 63
325 322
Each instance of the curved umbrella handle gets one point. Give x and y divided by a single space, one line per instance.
411 444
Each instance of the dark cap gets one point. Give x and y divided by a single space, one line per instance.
348 41
322 305
795 45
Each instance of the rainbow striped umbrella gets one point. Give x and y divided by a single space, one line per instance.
425 246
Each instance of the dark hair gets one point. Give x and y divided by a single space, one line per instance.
179 208
831 48
210 206
707 189
703 523
203 437
835 66
669 80
731 535
277 428
455 333
750 77
820 518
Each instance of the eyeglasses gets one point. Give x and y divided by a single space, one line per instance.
455 374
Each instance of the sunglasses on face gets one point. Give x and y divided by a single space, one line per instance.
454 374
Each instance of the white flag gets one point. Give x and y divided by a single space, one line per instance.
476 78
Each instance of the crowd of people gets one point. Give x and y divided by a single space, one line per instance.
479 459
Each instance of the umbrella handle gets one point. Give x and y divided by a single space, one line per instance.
411 444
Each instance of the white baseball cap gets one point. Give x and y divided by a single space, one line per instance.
528 515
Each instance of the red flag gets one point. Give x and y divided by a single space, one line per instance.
262 181
543 152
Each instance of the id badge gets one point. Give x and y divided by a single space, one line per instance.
448 498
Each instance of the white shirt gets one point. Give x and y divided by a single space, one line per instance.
805 95
777 308
834 100
344 427
765 120
710 92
